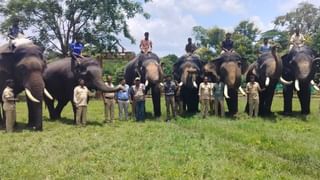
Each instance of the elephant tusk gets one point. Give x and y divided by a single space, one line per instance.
267 82
180 84
161 84
242 91
30 96
285 82
314 85
146 83
48 94
296 85
225 91
194 84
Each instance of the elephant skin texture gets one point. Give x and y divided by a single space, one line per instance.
299 66
150 73
188 72
61 77
25 65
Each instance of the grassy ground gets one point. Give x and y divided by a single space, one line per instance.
189 148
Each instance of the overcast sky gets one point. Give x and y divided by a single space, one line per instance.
171 21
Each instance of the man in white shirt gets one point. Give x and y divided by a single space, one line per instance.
296 40
80 99
109 102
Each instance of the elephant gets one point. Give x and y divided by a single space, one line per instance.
267 70
147 67
25 65
299 66
228 68
61 77
188 72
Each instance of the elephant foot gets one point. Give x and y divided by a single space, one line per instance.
285 113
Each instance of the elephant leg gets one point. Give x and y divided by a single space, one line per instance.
304 96
232 102
50 105
287 97
267 99
59 108
74 109
35 115
156 95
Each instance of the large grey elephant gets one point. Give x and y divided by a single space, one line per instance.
147 67
62 76
299 66
25 65
267 70
188 73
228 68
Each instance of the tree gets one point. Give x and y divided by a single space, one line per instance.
247 29
56 22
168 62
201 35
280 38
305 16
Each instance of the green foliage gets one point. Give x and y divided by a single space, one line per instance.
279 38
244 46
189 148
205 54
98 21
316 42
247 29
306 17
115 68
168 62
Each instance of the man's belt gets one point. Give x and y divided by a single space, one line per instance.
109 97
123 99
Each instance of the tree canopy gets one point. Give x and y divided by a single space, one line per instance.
56 23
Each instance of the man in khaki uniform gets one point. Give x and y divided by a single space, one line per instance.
80 98
109 102
9 106
252 90
205 93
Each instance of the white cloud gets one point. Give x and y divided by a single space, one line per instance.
262 26
289 5
172 21
169 27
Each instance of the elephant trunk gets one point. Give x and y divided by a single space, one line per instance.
34 87
101 86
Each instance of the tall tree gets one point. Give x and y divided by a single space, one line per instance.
306 16
248 29
55 23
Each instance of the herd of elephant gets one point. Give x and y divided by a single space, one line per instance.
56 80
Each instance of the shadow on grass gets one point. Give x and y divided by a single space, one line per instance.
69 121
294 115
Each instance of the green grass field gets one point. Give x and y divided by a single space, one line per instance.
189 148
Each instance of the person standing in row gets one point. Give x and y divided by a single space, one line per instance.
9 105
122 98
80 98
205 93
138 96
169 91
109 102
218 90
252 90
